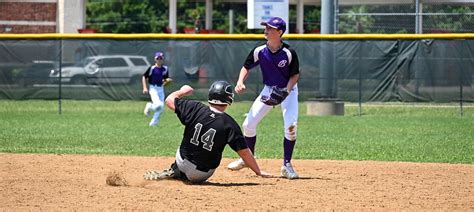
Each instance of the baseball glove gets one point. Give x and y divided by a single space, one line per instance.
167 81
276 96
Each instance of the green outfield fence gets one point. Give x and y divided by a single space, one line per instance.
359 68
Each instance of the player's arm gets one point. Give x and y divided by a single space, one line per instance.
250 62
294 71
166 78
292 82
240 86
250 161
144 84
185 90
145 79
166 74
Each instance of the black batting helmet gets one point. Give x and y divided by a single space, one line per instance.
220 93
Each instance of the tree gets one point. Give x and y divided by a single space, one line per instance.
127 16
354 22
453 21
151 16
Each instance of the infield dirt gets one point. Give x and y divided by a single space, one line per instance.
78 182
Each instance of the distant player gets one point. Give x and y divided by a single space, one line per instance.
208 129
156 76
280 70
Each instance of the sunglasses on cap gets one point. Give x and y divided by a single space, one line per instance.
158 58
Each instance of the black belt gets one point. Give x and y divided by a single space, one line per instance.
200 168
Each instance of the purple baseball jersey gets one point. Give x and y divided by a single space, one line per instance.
277 68
155 75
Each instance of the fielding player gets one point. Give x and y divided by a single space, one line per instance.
156 76
208 129
280 70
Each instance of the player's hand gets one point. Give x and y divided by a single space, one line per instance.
239 88
265 174
186 90
145 91
167 81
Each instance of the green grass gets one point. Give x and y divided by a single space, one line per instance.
385 133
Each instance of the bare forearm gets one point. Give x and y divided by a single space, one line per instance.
249 160
185 90
144 83
244 73
240 86
292 82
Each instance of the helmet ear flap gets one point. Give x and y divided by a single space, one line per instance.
220 93
230 94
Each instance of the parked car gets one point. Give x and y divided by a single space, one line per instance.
37 73
103 69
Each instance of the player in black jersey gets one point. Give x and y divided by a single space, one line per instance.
208 129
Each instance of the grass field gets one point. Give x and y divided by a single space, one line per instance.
383 132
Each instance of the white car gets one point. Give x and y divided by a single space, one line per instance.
104 69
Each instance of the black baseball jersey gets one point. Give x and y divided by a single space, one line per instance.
206 133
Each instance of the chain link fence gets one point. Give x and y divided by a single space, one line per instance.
406 18
400 16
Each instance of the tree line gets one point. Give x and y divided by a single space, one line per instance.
151 16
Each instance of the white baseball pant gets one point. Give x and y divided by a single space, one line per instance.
157 95
289 108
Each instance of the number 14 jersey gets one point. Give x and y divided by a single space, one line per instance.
206 133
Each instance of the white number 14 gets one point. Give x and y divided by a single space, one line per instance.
207 138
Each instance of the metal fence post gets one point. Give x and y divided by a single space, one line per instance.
360 77
60 75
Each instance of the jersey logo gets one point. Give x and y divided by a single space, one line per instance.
282 63
213 115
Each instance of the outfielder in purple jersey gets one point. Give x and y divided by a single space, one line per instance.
154 76
208 129
280 67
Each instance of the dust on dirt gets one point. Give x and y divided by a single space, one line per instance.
115 178
76 182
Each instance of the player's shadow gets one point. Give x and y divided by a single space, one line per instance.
312 178
207 183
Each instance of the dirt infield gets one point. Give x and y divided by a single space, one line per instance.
77 182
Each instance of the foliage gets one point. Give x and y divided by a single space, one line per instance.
312 17
449 23
131 16
127 16
354 22
436 18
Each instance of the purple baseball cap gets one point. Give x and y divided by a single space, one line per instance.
159 55
276 23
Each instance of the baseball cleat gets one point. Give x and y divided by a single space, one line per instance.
237 165
287 171
156 175
147 109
